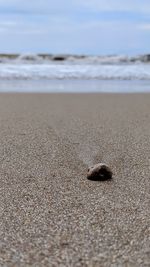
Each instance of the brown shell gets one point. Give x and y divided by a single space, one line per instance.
99 172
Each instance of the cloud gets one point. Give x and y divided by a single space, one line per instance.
7 23
116 5
144 26
36 6
50 6
76 26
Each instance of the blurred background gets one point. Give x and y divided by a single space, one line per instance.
78 39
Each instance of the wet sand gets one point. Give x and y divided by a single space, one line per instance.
50 214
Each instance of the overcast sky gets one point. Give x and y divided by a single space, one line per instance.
75 26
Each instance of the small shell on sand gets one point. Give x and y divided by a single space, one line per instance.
99 172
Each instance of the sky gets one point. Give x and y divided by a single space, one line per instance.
93 27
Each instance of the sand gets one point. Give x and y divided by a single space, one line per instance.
50 214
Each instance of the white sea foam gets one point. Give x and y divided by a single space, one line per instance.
74 67
78 71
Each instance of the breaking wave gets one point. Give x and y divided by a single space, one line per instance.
29 66
45 58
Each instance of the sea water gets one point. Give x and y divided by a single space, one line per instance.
45 73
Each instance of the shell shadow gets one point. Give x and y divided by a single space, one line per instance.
101 176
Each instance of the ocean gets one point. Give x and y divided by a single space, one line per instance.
59 73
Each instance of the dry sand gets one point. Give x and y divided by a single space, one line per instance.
50 214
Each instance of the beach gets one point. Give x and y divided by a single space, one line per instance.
51 215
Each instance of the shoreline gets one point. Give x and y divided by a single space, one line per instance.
74 86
